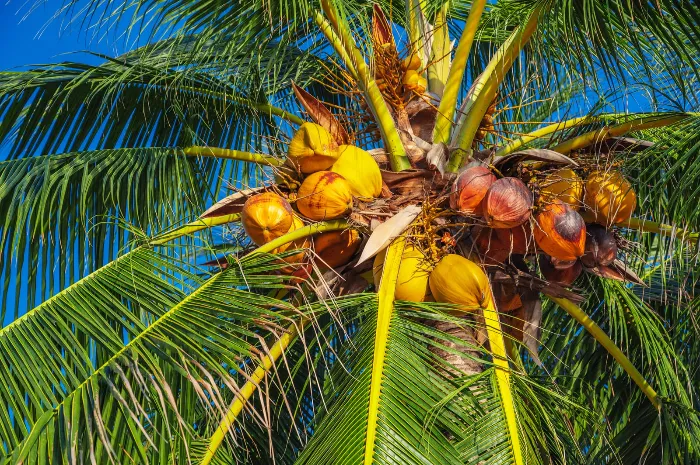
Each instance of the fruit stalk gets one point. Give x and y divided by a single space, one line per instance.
397 154
215 152
600 336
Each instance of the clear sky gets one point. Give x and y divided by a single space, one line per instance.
36 39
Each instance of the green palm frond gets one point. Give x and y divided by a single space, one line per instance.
62 214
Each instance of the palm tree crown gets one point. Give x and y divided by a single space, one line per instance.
325 232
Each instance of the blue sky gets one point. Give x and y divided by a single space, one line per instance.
35 39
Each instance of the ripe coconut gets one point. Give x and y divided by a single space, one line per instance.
601 246
469 189
336 248
498 244
563 184
507 203
313 148
560 231
360 171
414 271
266 216
610 197
565 276
324 195
457 280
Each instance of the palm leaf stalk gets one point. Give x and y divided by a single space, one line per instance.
409 220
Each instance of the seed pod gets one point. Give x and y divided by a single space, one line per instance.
498 244
601 247
565 185
266 216
336 248
507 203
360 171
324 195
610 197
313 148
469 190
565 277
560 231
414 271
457 280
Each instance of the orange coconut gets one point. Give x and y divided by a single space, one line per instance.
336 248
563 184
324 195
266 216
560 231
563 276
610 197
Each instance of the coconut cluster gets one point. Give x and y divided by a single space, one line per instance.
321 180
562 220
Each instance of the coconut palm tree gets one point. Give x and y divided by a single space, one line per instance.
145 326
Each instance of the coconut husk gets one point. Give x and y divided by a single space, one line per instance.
509 164
321 115
618 271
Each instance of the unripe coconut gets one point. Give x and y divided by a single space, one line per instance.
457 280
324 195
469 189
412 62
507 203
601 246
266 216
414 271
360 171
560 231
563 184
565 277
336 248
313 148
498 244
610 197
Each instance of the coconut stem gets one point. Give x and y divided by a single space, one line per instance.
600 336
301 233
261 159
545 131
448 103
500 361
645 226
248 389
194 226
485 88
599 135
382 116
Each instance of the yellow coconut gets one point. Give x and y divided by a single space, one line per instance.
266 216
324 195
457 280
411 62
563 184
609 197
414 271
360 171
313 148
336 248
